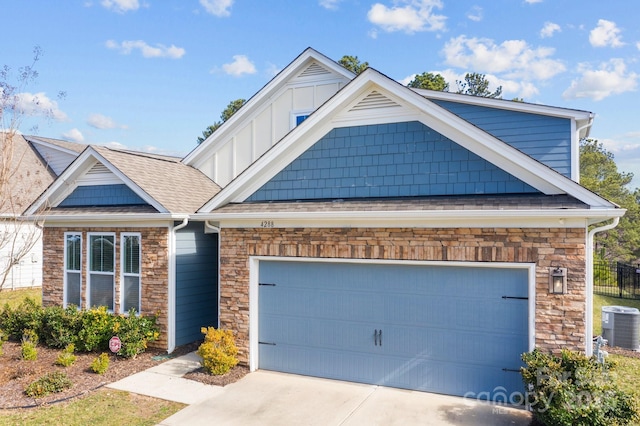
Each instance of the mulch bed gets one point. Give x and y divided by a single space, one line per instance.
16 374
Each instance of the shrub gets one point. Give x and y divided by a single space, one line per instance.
66 357
28 348
53 382
134 332
100 364
574 390
3 338
96 330
60 327
218 351
25 316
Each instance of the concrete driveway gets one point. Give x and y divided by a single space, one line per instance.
269 398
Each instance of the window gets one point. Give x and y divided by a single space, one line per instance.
101 273
130 255
297 117
301 118
72 274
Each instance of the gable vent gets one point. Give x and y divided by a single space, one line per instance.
98 169
374 100
313 70
99 174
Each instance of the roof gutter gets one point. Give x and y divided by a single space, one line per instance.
589 284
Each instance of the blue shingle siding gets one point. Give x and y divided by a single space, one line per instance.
387 160
547 139
102 195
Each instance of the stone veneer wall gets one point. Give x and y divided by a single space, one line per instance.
560 319
154 262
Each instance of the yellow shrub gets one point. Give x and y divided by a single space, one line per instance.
218 351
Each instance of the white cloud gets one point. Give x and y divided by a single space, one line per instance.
475 14
549 29
533 1
329 4
121 6
219 8
73 135
31 104
605 34
240 65
103 122
514 58
159 51
611 78
409 16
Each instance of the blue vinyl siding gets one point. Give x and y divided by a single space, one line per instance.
443 329
196 282
387 160
547 139
102 195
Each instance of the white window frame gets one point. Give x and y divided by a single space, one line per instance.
296 114
90 272
124 274
67 271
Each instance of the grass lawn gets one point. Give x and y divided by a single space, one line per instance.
14 297
105 407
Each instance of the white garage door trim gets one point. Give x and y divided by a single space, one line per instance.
254 273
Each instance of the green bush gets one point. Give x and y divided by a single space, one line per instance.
218 351
3 338
96 330
100 364
28 347
66 357
25 316
574 390
134 332
60 327
53 382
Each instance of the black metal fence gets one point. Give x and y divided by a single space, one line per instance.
616 279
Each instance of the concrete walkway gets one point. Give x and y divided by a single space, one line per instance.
270 398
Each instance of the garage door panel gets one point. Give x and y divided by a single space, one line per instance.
444 329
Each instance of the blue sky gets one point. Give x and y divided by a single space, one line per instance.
152 74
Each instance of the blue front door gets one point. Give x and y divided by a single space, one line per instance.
445 329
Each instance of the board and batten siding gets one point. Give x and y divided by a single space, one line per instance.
266 127
196 282
545 138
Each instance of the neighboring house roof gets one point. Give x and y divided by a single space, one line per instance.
162 182
374 98
28 175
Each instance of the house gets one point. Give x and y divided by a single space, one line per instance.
27 171
346 227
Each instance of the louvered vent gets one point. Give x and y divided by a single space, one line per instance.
313 70
374 100
98 169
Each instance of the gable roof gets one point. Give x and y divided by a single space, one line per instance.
373 98
27 175
308 64
165 183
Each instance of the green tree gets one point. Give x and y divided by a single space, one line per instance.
599 173
226 114
353 64
476 84
429 81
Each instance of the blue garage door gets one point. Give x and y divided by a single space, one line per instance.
444 329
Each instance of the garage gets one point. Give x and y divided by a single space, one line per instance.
452 329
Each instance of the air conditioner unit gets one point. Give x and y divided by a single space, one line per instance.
621 326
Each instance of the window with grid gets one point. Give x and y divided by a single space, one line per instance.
101 273
72 265
130 272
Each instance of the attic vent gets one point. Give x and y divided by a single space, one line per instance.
98 169
374 100
313 70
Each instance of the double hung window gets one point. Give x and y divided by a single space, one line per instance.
101 272
72 265
130 253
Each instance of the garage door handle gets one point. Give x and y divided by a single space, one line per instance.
377 337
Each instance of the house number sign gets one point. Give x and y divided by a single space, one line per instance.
266 224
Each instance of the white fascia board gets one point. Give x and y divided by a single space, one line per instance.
196 157
105 220
450 125
65 183
570 218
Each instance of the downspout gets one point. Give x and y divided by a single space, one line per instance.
216 229
171 303
589 284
